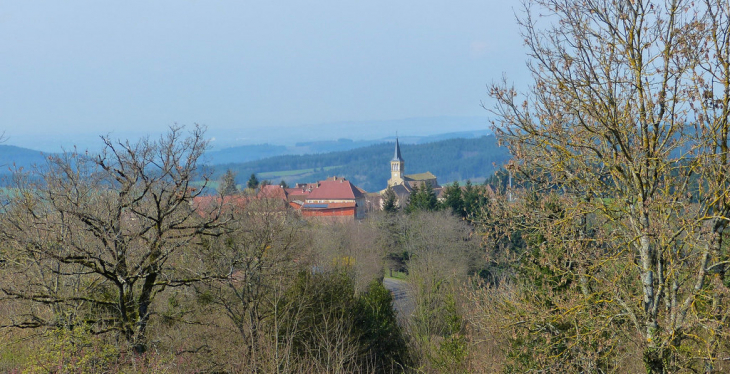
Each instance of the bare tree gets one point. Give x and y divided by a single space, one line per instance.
98 237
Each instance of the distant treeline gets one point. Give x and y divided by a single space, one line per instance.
368 167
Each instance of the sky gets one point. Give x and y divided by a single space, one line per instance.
75 68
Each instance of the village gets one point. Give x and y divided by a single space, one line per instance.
334 198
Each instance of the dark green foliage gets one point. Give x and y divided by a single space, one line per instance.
390 203
253 182
283 184
381 336
453 199
468 202
474 200
331 318
423 198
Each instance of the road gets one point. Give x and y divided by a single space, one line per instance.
402 301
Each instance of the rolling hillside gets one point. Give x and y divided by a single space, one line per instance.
368 167
12 157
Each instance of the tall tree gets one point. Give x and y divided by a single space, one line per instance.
97 237
423 198
228 184
390 201
253 182
629 102
453 199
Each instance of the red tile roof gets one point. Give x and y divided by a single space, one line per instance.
337 189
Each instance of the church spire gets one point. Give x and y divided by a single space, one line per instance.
396 156
397 166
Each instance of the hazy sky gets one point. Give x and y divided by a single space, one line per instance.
97 66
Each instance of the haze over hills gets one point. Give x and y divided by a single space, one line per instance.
12 157
224 136
246 153
460 155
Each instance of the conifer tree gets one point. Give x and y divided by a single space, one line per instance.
253 182
423 198
454 200
390 202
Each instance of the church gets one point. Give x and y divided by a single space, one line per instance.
403 184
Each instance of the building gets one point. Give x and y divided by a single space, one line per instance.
334 197
403 184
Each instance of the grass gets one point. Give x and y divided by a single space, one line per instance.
396 275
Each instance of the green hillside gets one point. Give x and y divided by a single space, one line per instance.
368 167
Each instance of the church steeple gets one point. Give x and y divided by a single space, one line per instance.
397 166
397 156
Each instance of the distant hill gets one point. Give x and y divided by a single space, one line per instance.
12 157
246 153
368 167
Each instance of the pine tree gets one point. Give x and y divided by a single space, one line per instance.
423 198
454 200
253 182
414 200
390 201
430 202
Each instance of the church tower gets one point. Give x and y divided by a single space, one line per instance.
397 167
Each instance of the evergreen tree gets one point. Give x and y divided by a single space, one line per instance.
474 200
431 203
283 184
413 200
423 198
454 200
253 182
390 201
228 184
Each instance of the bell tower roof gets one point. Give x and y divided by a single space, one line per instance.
396 156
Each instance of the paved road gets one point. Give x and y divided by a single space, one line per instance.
402 301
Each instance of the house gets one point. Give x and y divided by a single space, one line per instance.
334 197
